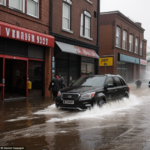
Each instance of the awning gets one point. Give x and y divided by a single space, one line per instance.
130 59
25 35
68 48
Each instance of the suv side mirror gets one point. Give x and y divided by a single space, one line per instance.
109 85
71 84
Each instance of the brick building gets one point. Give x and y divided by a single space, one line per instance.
122 46
76 30
25 48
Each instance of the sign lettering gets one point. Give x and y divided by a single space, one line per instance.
22 34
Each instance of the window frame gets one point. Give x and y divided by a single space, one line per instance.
141 48
85 15
65 2
23 6
136 45
118 37
124 41
131 43
3 4
38 6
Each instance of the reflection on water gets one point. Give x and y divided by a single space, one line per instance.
37 124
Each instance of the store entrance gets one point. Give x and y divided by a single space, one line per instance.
15 78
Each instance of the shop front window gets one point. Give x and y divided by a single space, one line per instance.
87 69
35 77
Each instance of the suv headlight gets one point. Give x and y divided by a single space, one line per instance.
59 93
87 95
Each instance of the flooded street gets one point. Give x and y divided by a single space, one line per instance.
38 125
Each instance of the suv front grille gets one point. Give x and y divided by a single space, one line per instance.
70 96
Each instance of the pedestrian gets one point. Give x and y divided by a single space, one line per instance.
55 86
138 83
62 81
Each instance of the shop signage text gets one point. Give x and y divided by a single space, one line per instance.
143 62
25 35
106 61
86 52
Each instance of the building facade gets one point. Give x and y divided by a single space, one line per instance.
122 46
76 30
25 48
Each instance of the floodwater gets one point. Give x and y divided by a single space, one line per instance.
38 125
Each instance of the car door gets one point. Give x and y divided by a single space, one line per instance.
110 91
119 92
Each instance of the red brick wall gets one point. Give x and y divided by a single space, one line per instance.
108 24
23 20
48 63
106 40
78 7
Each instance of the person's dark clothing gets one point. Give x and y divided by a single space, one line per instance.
138 83
55 86
62 82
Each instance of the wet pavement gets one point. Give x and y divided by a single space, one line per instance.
38 125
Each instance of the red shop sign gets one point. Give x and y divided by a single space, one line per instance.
143 62
25 35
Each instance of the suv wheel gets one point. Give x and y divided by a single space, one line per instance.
101 102
126 95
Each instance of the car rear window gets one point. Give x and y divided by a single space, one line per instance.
118 82
122 81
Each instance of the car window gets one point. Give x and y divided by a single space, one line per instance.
110 81
118 82
122 82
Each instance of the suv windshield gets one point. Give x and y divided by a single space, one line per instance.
90 81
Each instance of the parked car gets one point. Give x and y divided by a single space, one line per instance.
90 90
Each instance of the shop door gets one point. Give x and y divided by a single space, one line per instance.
16 75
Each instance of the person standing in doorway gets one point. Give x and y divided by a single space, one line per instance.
55 86
62 81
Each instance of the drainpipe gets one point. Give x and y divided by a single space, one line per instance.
51 17
98 28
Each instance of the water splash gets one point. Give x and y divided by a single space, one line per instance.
107 109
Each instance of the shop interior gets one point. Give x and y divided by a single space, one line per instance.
15 78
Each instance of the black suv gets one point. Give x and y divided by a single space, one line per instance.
92 89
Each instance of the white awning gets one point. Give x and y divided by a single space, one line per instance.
68 48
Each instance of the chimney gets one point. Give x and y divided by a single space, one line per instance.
139 24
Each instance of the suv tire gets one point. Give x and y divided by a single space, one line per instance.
101 102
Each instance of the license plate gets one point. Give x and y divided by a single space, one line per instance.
68 102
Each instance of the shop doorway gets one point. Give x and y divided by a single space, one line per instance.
15 78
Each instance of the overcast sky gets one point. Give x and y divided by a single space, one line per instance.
137 10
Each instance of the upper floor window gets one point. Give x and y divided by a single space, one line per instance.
66 14
3 2
85 27
136 45
17 4
131 43
118 36
33 8
141 48
124 41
